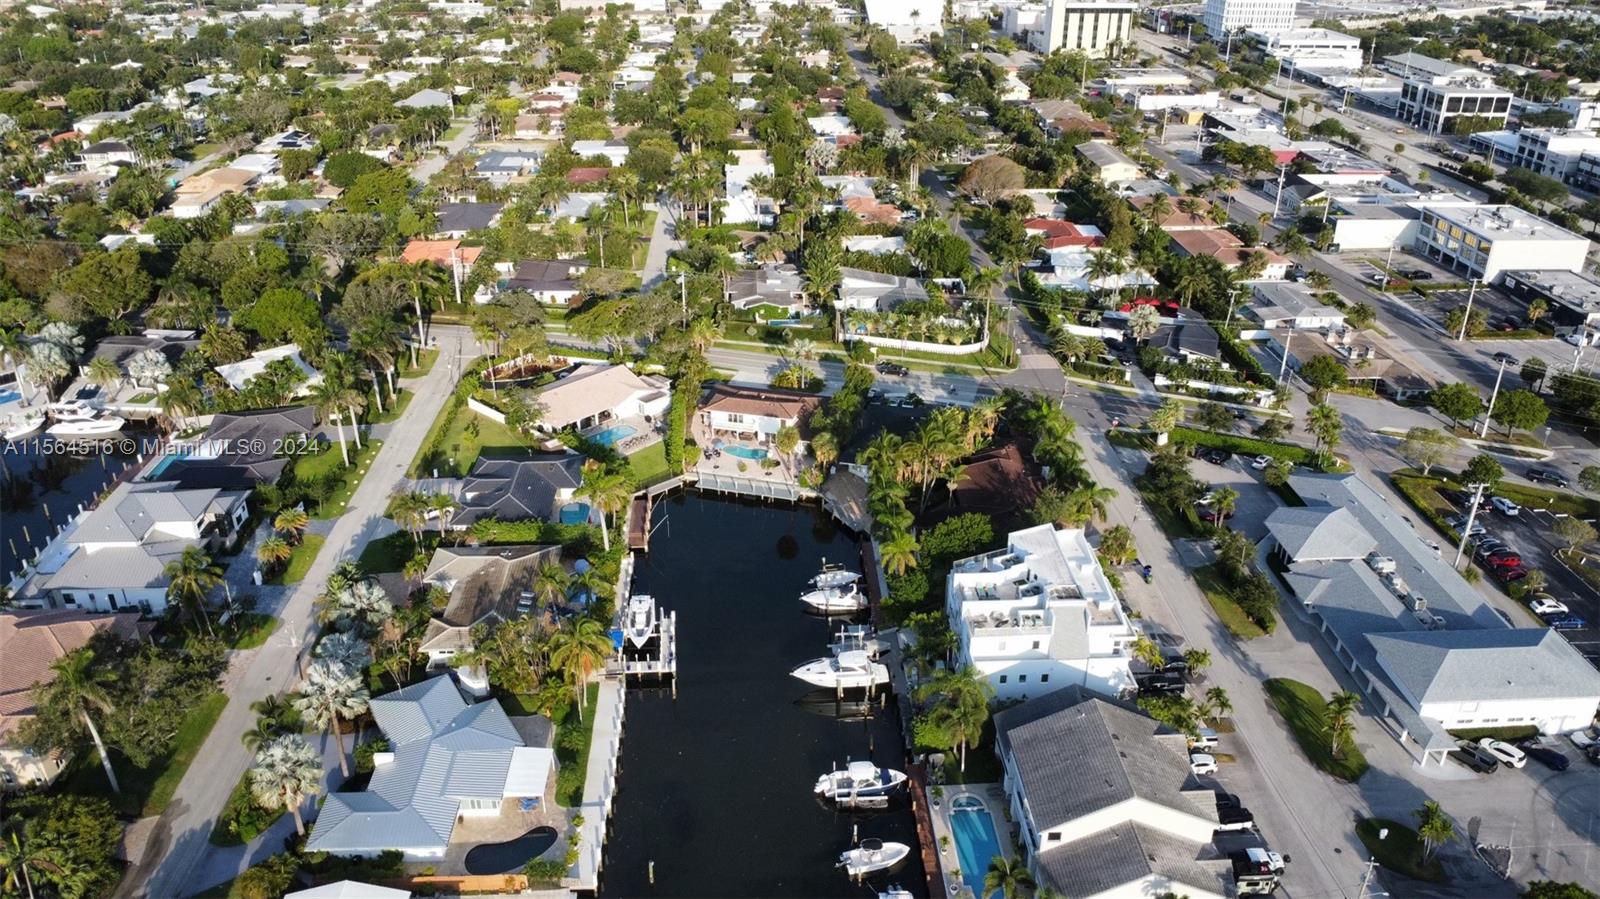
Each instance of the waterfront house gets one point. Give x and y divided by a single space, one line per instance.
755 414
238 449
599 393
1105 801
447 759
238 374
115 556
487 584
1040 615
997 483
30 642
537 489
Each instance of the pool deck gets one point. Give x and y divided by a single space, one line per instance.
994 800
644 433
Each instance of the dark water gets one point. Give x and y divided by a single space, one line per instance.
715 786
40 491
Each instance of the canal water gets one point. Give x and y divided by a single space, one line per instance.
40 491
716 785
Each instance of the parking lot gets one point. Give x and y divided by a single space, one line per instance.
1256 501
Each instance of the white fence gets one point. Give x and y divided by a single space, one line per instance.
1253 395
486 410
942 349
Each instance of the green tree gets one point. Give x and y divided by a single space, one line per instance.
898 552
1164 419
1427 447
80 690
189 578
1149 652
960 707
1009 877
1323 373
1340 709
1574 531
610 492
273 552
281 313
1215 417
1326 425
1434 827
1456 401
1476 321
287 772
578 649
330 694
1549 889
1520 410
1483 469
291 523
1117 545
1589 478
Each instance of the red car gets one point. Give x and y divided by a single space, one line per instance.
1210 515
1506 559
1509 575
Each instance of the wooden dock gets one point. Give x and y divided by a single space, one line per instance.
639 523
926 844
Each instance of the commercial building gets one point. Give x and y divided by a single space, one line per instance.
1314 49
1087 26
1572 297
1260 16
1482 241
904 20
1105 801
1422 644
1040 615
1558 153
1434 94
1111 166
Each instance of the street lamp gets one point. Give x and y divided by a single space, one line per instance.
1504 358
1471 292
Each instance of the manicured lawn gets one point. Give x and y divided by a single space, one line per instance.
1400 850
649 465
391 553
330 462
425 360
146 791
1209 579
391 411
249 630
201 151
299 563
1423 491
467 436
1174 524
572 751
1306 712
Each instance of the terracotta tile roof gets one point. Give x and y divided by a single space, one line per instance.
868 209
1059 234
588 174
1177 218
771 402
438 252
1205 243
30 642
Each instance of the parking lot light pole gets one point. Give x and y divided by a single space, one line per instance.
1471 292
1466 530
1494 396
1284 365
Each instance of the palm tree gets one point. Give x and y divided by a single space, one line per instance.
551 581
898 552
180 400
1217 704
1164 419
1088 501
1149 652
1434 827
189 578
273 552
410 511
824 449
287 773
344 648
1341 706
578 649
1008 876
328 398
445 507
610 492
80 687
1157 210
1224 500
17 856
1324 423
103 373
1143 322
291 523
359 603
963 705
332 692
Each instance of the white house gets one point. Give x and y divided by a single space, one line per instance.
616 152
446 760
905 20
238 374
743 204
600 393
755 414
115 556
1282 305
1040 615
830 126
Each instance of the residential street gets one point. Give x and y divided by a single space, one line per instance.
171 864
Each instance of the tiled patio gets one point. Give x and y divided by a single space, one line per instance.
728 463
644 433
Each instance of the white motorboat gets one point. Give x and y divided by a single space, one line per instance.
96 425
25 425
860 637
835 600
834 575
846 671
872 855
895 892
859 780
641 620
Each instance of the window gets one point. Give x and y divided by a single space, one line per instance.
1036 644
69 599
1022 678
1044 678
1053 837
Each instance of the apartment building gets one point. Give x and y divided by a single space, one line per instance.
1091 27
1261 16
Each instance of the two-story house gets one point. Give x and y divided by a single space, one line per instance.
1040 615
755 414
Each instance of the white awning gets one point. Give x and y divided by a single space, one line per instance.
530 771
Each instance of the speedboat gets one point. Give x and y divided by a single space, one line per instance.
834 575
835 600
859 637
79 419
859 779
872 855
641 621
24 425
845 671
895 892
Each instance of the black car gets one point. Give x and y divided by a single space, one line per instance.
1215 456
1507 358
893 368
1475 757
1555 761
1549 476
1418 274
1227 801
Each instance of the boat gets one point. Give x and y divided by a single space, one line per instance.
94 424
859 637
641 620
859 779
895 891
846 671
25 425
872 855
833 575
835 600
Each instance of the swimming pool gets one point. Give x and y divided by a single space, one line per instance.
746 452
9 396
976 843
613 435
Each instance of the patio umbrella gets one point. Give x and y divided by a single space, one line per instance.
718 443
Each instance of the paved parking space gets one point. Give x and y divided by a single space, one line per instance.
1256 499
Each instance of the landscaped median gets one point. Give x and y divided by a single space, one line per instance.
1221 596
1306 713
1399 849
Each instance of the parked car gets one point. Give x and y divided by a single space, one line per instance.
1504 752
1236 818
1544 604
1212 515
1460 521
1380 279
1418 274
1201 763
1505 506
1504 558
1260 463
1481 537
1489 548
1583 738
1227 800
1205 739
1580 338
1215 456
1475 757
1505 357
1566 622
893 368
1508 575
1549 476
1550 758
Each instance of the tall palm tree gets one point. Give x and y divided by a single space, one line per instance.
1149 652
291 523
1341 706
328 398
18 855
410 511
610 492
898 552
344 648
331 692
1217 704
189 578
551 581
1089 501
824 449
445 507
180 400
1157 210
1008 876
1143 322
80 687
1434 827
578 649
273 552
103 373
962 699
1224 500
287 772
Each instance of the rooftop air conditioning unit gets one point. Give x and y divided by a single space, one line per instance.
1382 564
1419 604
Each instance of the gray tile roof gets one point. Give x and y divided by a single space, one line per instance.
466 216
517 489
1486 665
1129 853
485 580
1316 534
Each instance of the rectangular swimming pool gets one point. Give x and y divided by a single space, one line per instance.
755 453
613 435
976 843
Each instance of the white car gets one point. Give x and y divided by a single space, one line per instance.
1201 763
1505 506
1260 463
1204 739
1581 738
1505 752
1579 338
1546 605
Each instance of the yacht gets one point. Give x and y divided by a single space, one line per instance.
859 637
835 600
845 671
25 425
641 620
859 779
79 419
872 855
834 575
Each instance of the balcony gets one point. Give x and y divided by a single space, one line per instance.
1020 622
997 561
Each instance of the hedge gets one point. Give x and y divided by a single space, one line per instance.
1244 446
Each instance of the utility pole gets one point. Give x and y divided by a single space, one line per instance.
455 273
1284 365
1494 395
683 296
1277 198
1366 878
1466 530
1471 292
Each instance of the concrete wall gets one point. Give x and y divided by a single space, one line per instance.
943 349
